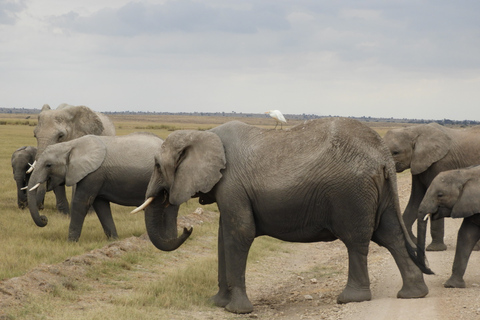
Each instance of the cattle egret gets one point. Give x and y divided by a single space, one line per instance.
278 116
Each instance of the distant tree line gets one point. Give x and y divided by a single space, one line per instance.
302 116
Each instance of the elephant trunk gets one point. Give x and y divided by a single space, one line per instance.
21 194
39 220
421 238
162 227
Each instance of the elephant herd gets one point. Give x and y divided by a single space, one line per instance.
322 180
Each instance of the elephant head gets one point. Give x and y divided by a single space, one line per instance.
453 193
417 147
67 123
64 164
21 161
188 162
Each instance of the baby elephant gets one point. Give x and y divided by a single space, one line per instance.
104 169
456 194
22 159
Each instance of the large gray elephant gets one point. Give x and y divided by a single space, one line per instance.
456 194
428 150
105 169
319 181
21 160
64 124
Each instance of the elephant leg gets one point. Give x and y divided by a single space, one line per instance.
468 236
76 223
389 234
61 197
238 233
104 213
437 230
358 283
222 298
80 204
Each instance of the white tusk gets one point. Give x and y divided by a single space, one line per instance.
144 205
34 187
428 215
32 166
24 188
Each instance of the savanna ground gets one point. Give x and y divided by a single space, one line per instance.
44 277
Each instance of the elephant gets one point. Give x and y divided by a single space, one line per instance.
105 169
456 194
66 123
22 159
322 180
427 150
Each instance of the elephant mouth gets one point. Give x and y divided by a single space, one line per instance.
441 212
150 199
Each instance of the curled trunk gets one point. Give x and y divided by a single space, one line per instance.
161 226
39 220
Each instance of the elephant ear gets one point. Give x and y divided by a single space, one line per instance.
468 203
192 162
85 120
431 145
86 155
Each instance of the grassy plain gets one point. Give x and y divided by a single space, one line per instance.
25 246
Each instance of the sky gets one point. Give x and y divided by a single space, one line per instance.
414 59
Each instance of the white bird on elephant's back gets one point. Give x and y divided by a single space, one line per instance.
278 116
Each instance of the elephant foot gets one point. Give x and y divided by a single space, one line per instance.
454 283
413 292
221 299
350 294
239 302
437 246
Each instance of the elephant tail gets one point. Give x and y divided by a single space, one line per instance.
418 256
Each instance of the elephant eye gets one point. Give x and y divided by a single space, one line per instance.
395 153
48 165
440 195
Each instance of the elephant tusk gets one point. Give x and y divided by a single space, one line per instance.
24 188
35 187
144 205
428 215
32 166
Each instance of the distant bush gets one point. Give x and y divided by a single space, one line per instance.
158 127
18 123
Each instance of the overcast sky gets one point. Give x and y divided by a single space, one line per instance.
379 58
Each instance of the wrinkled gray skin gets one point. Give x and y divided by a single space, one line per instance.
428 150
106 169
64 124
21 160
456 194
320 181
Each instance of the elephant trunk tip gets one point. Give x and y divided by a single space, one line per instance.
42 222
